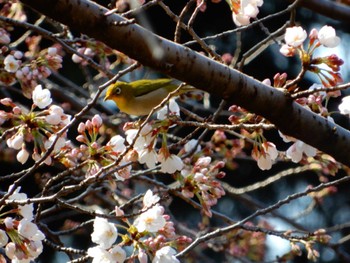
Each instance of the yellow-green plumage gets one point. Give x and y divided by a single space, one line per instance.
141 96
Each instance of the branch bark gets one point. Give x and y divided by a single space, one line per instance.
328 8
202 72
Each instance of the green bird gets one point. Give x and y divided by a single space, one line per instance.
141 96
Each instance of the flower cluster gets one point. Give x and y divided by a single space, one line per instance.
27 68
200 181
151 232
34 126
326 36
18 234
244 10
144 141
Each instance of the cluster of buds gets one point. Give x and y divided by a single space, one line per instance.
91 49
18 234
95 153
294 39
39 126
200 181
247 244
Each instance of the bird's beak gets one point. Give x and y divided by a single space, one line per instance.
106 97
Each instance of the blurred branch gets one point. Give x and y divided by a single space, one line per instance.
327 8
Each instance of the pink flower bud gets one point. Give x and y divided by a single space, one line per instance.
80 138
6 102
17 110
81 127
97 121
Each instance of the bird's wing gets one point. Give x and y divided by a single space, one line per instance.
144 86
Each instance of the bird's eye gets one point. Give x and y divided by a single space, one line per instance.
118 91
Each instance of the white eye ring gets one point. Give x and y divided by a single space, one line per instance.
118 91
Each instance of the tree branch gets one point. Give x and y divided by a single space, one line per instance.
200 71
328 8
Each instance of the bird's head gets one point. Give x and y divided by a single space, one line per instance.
118 91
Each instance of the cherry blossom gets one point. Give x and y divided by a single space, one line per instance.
142 256
344 106
118 254
28 229
105 233
296 150
165 255
41 97
287 50
246 10
265 157
100 255
152 220
117 143
24 210
150 199
295 36
191 144
171 109
170 164
327 37
11 64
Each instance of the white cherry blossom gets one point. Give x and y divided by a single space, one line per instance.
295 36
296 151
105 233
328 37
118 254
41 97
11 64
172 109
24 210
151 220
248 9
117 143
165 255
150 199
171 164
344 106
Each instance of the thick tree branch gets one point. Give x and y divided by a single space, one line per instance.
200 71
328 8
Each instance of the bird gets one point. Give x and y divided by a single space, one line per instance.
141 96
